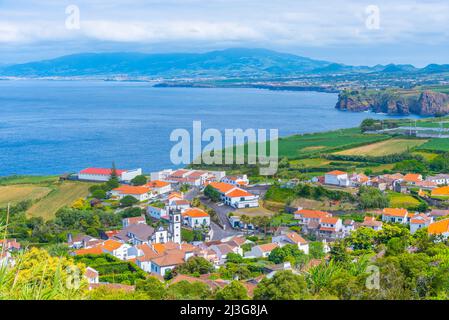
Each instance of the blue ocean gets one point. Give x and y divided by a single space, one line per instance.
54 127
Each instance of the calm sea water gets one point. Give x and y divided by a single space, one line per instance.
52 127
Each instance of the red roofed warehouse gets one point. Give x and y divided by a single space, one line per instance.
103 175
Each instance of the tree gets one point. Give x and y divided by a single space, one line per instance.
128 201
233 291
195 265
212 193
287 253
234 258
184 290
99 194
316 250
370 198
396 246
153 287
139 180
284 285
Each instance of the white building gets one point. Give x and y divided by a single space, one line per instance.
261 251
419 221
159 187
196 218
337 178
439 179
157 213
140 193
103 174
236 180
234 196
116 248
395 215
292 238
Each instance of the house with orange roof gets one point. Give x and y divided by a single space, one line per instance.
133 220
395 215
305 216
178 204
419 221
140 193
413 178
371 222
441 192
239 181
234 196
262 250
116 248
439 228
330 227
337 178
196 218
291 238
159 186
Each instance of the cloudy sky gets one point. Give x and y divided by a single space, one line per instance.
356 32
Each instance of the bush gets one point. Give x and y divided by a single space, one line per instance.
128 201
139 180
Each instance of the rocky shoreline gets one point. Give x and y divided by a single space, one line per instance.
425 103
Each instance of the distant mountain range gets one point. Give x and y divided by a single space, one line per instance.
237 62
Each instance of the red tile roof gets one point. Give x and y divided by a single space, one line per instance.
101 171
125 189
336 173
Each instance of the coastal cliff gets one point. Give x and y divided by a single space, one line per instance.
402 102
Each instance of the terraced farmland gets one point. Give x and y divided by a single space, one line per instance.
383 148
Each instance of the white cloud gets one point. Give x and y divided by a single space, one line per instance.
187 24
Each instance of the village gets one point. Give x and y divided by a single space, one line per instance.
226 221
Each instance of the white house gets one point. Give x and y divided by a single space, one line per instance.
236 180
371 222
133 220
92 275
395 215
103 174
140 193
292 238
330 227
234 196
159 187
439 228
116 248
169 261
337 178
262 251
439 179
195 218
157 213
419 221
348 226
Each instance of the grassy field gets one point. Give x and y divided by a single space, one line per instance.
298 146
428 156
254 212
13 180
399 200
16 193
64 194
436 145
383 148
